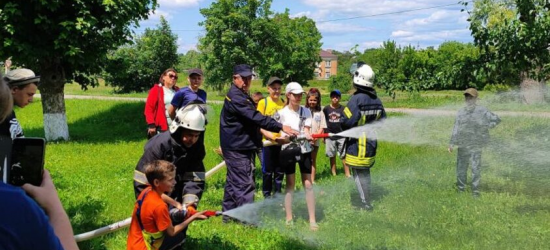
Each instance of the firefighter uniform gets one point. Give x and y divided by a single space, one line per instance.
240 137
190 172
364 107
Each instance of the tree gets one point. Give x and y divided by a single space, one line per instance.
189 60
247 31
294 49
515 35
65 41
137 67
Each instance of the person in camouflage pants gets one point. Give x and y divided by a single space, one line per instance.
470 135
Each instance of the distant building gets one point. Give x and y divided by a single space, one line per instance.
328 65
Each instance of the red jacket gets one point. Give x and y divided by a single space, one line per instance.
155 113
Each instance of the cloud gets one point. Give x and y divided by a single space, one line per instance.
155 16
184 47
178 3
339 28
434 37
361 7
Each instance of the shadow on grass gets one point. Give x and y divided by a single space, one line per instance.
217 243
377 193
122 122
84 219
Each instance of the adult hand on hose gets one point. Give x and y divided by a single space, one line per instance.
288 130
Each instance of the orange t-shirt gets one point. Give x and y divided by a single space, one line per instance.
155 218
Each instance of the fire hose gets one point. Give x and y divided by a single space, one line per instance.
126 222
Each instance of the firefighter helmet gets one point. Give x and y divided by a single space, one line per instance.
363 76
189 117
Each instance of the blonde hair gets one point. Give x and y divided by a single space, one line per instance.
6 99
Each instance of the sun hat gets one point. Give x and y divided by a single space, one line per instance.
19 77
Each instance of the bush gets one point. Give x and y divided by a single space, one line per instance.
342 82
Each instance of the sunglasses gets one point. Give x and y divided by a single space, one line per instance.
173 76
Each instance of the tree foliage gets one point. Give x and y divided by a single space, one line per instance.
189 60
247 31
514 38
65 41
138 66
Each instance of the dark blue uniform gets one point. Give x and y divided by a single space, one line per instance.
190 175
240 136
363 108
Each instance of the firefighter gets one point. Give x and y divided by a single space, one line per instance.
364 107
181 146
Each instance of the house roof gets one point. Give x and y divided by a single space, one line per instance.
327 54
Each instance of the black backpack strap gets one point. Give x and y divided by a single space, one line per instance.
138 211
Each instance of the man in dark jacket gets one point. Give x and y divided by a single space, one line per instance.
364 107
240 136
180 146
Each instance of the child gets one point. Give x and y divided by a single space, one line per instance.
299 119
256 97
272 174
318 125
470 134
333 115
151 219
191 94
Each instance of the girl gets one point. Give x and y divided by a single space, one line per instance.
318 124
293 151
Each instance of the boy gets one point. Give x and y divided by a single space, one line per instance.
470 134
180 145
333 115
23 85
151 219
272 174
191 94
256 97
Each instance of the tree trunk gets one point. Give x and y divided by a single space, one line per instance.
52 83
532 91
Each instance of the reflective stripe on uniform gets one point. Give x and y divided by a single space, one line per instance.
190 198
227 98
362 145
356 161
140 177
347 112
194 176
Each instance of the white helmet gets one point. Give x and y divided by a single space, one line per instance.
363 76
189 117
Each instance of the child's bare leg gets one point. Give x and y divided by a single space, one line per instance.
313 162
346 168
310 197
290 183
333 165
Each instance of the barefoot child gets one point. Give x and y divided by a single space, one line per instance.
151 220
298 118
318 125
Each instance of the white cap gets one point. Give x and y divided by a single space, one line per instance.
294 88
18 77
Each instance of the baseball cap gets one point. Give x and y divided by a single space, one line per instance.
194 71
18 77
294 88
273 80
243 70
335 92
471 91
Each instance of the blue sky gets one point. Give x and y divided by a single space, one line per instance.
429 26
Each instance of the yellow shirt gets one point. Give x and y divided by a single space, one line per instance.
269 107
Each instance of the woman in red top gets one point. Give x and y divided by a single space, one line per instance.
159 97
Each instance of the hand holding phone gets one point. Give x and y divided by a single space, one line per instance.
27 161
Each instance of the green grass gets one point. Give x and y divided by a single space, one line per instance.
416 206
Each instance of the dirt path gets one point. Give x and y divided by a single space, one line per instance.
427 112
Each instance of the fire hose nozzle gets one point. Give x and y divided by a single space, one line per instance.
323 135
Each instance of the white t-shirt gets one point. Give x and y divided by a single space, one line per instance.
168 96
297 121
289 117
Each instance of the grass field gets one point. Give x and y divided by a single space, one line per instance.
416 206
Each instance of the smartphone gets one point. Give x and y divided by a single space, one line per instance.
27 161
5 157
